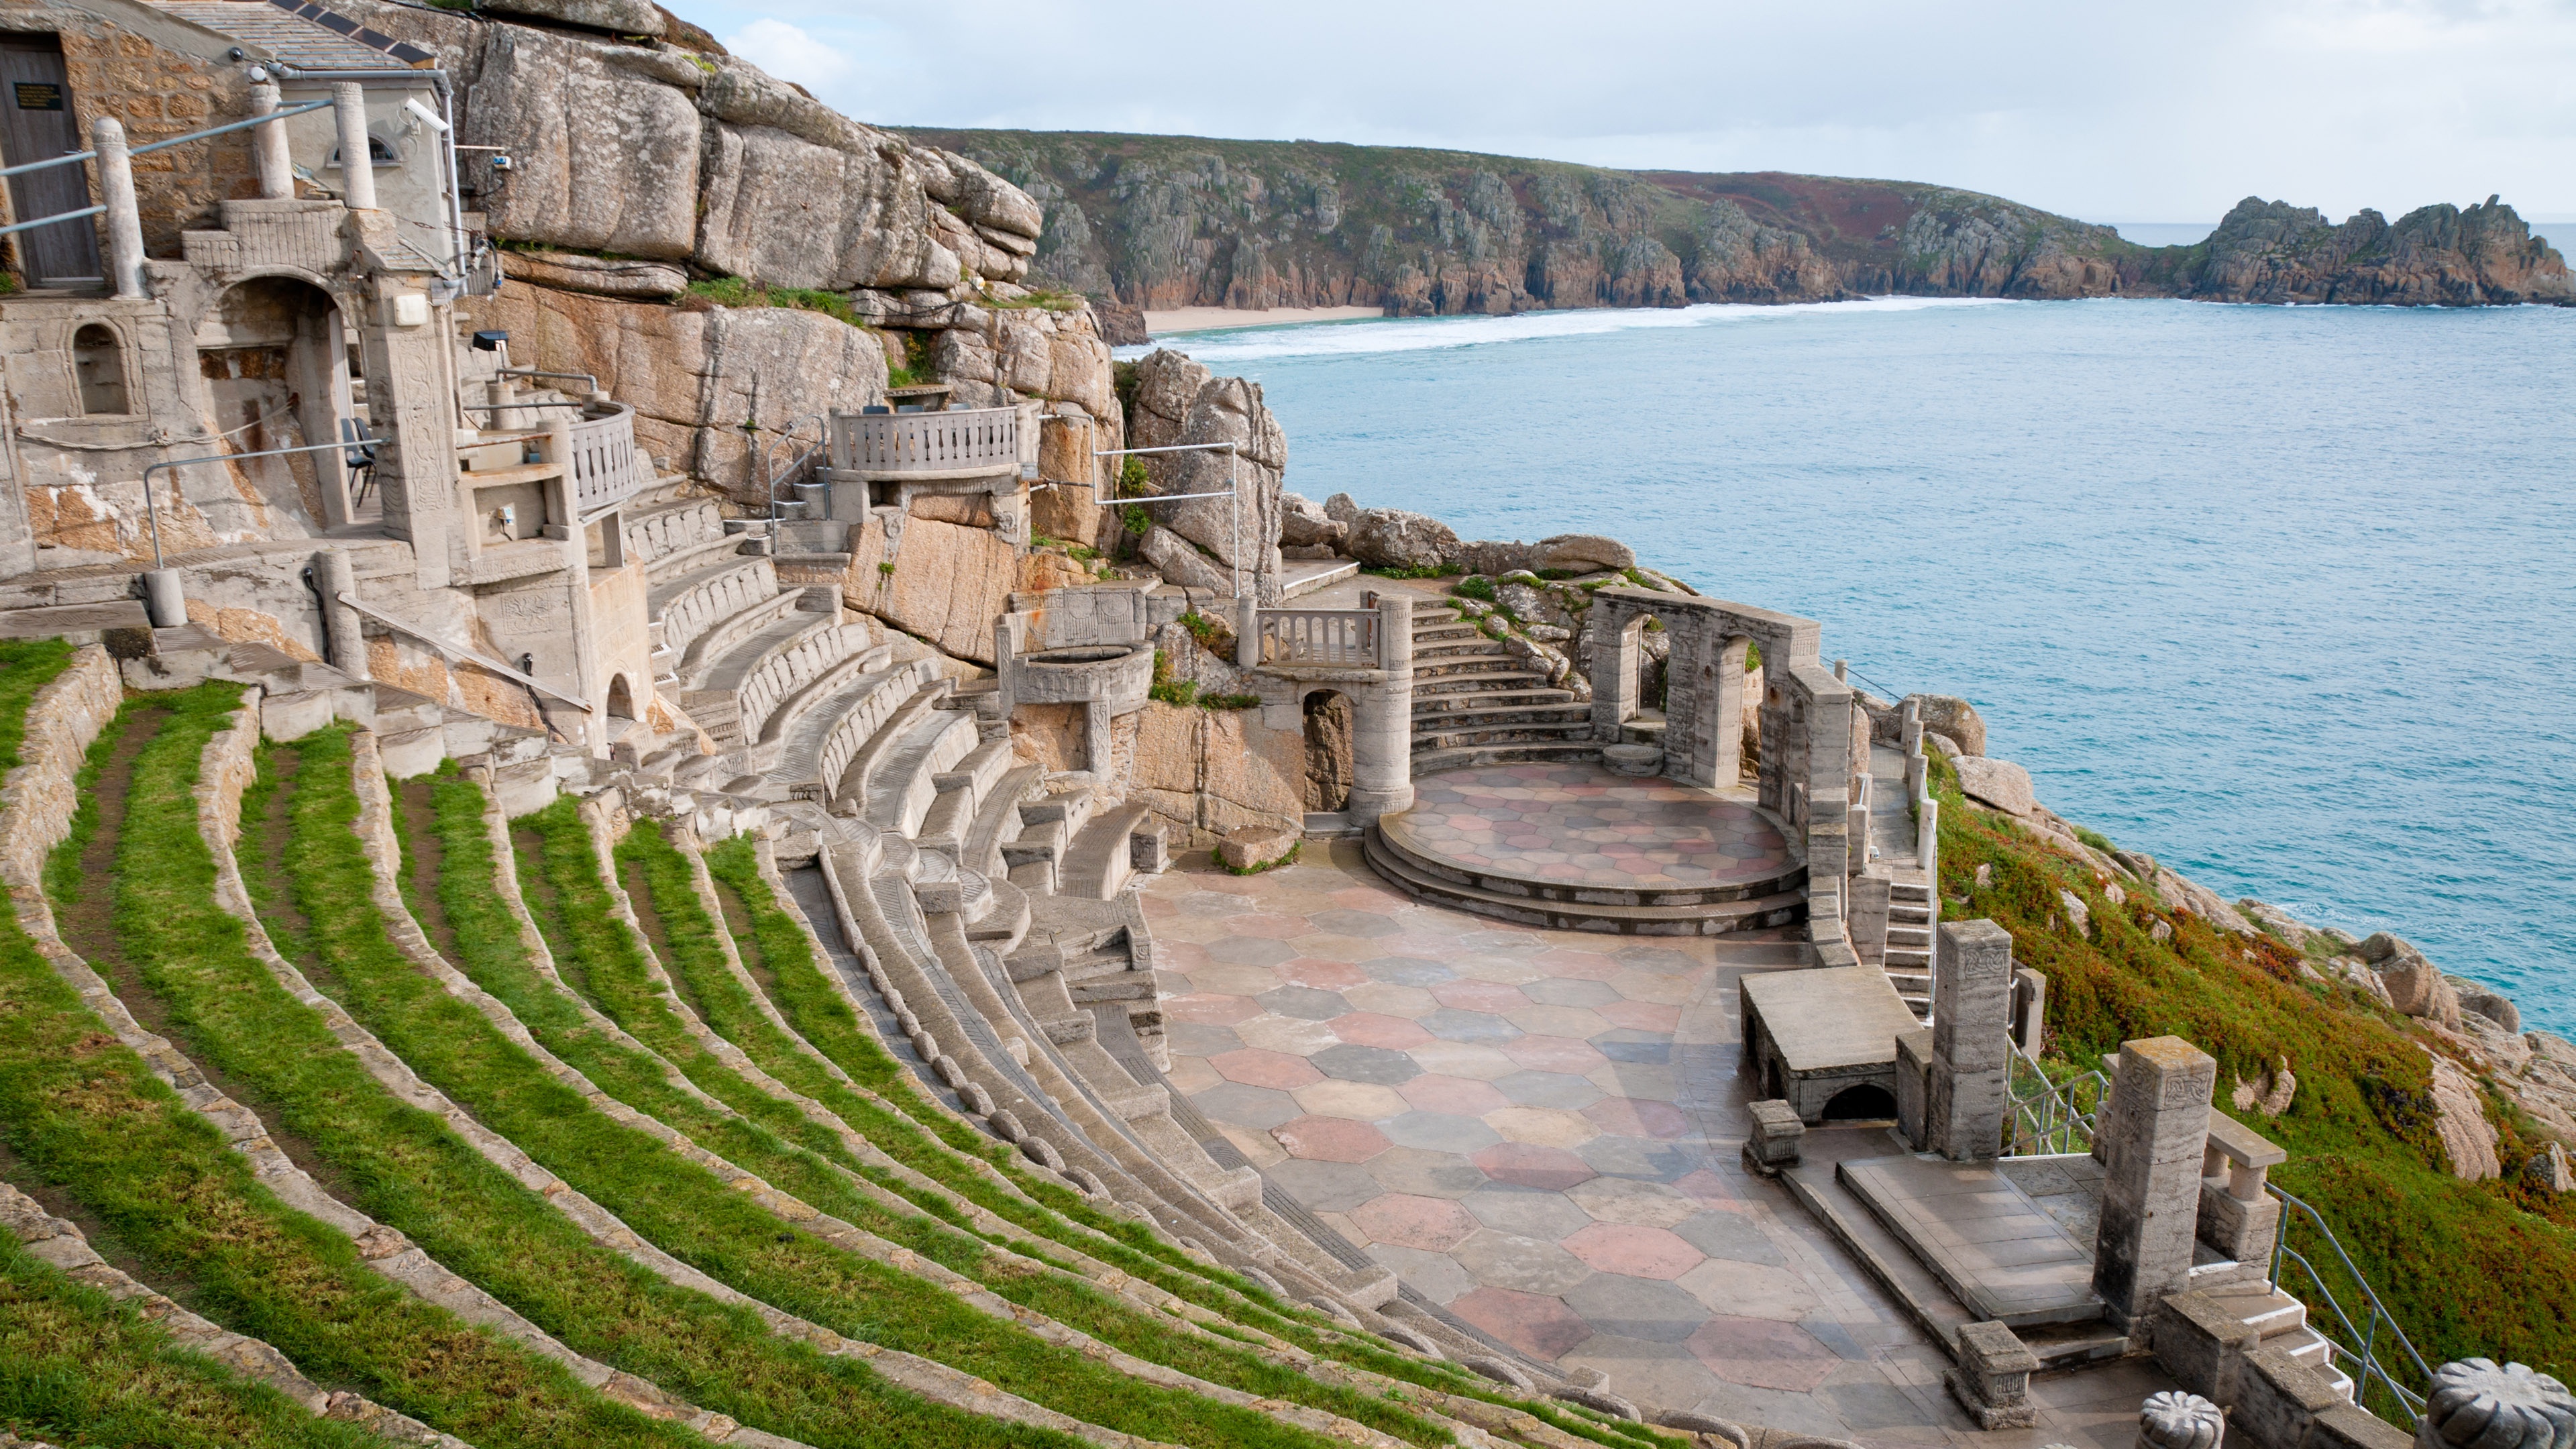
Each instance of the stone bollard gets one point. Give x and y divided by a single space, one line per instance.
1775 1139
2176 1420
124 214
1992 1380
2476 1402
269 148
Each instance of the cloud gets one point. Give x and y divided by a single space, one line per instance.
789 53
2105 112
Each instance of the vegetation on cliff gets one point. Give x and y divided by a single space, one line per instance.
2468 1268
1173 221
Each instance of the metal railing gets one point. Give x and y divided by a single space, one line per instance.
604 465
960 443
2050 1118
2382 1346
1319 636
76 157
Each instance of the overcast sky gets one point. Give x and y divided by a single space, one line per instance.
2163 113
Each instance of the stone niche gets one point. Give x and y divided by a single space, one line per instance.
1081 645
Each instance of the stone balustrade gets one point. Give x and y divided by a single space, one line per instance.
2237 1218
960 443
1347 637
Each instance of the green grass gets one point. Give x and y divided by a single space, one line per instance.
1288 859
738 292
696 961
1416 571
85 1113
2360 1131
79 1368
479 1221
726 1235
1474 586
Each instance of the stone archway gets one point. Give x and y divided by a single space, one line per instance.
621 699
1868 1102
274 366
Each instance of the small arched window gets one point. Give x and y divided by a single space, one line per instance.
380 152
98 363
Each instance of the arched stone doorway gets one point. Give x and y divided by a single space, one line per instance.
1330 720
621 699
273 361
1867 1102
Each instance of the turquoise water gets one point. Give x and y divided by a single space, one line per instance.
2284 596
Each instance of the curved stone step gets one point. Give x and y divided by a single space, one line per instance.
1443 705
1500 880
1761 913
1461 757
900 790
1097 863
997 818
1446 737
819 746
715 638
1480 714
811 700
1476 683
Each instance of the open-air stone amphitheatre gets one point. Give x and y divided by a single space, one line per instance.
649 804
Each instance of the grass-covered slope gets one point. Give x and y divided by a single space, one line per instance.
2468 1268
96 1136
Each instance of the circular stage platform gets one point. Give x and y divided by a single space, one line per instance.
1573 845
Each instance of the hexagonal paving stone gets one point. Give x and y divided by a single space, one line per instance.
1304 1001
1327 1187
1520 1163
1433 1224
1248 951
1527 1265
1366 1064
1439 1132
1762 1354
1546 1126
1559 991
1486 996
1330 1139
1539 1325
1323 974
1245 981
1261 1107
1291 1034
1632 1250
1451 1024
1195 1039
1620 1044
1638 1117
1209 1007
1257 1068
1750 1290
1468 1059
1548 1089
1362 923
1369 1028
1631 1307
1415 971
1568 1021
1730 1235
1435 1276
1265 923
1640 1157
1425 1172
1652 1016
1626 1200
1544 1216
1552 1054
1358 1101
1459 1096
1409 1002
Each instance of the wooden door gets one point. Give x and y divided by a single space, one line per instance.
37 123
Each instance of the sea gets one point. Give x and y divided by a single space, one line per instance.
2285 596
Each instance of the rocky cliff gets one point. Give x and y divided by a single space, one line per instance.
1161 222
654 180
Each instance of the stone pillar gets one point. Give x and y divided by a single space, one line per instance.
124 216
1724 711
2030 1009
1913 1084
268 145
1382 721
1247 632
2150 1136
340 622
1614 671
411 405
1866 917
1971 1048
357 162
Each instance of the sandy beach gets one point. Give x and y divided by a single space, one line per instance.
1211 319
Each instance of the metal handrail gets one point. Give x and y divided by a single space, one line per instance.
2048 1119
75 157
2370 1361
794 465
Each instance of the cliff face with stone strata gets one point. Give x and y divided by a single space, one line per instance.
645 159
1161 222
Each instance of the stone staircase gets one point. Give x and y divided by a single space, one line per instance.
1909 944
2280 1321
1474 703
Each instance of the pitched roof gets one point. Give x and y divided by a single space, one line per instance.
300 33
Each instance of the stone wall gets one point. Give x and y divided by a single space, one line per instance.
1209 771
